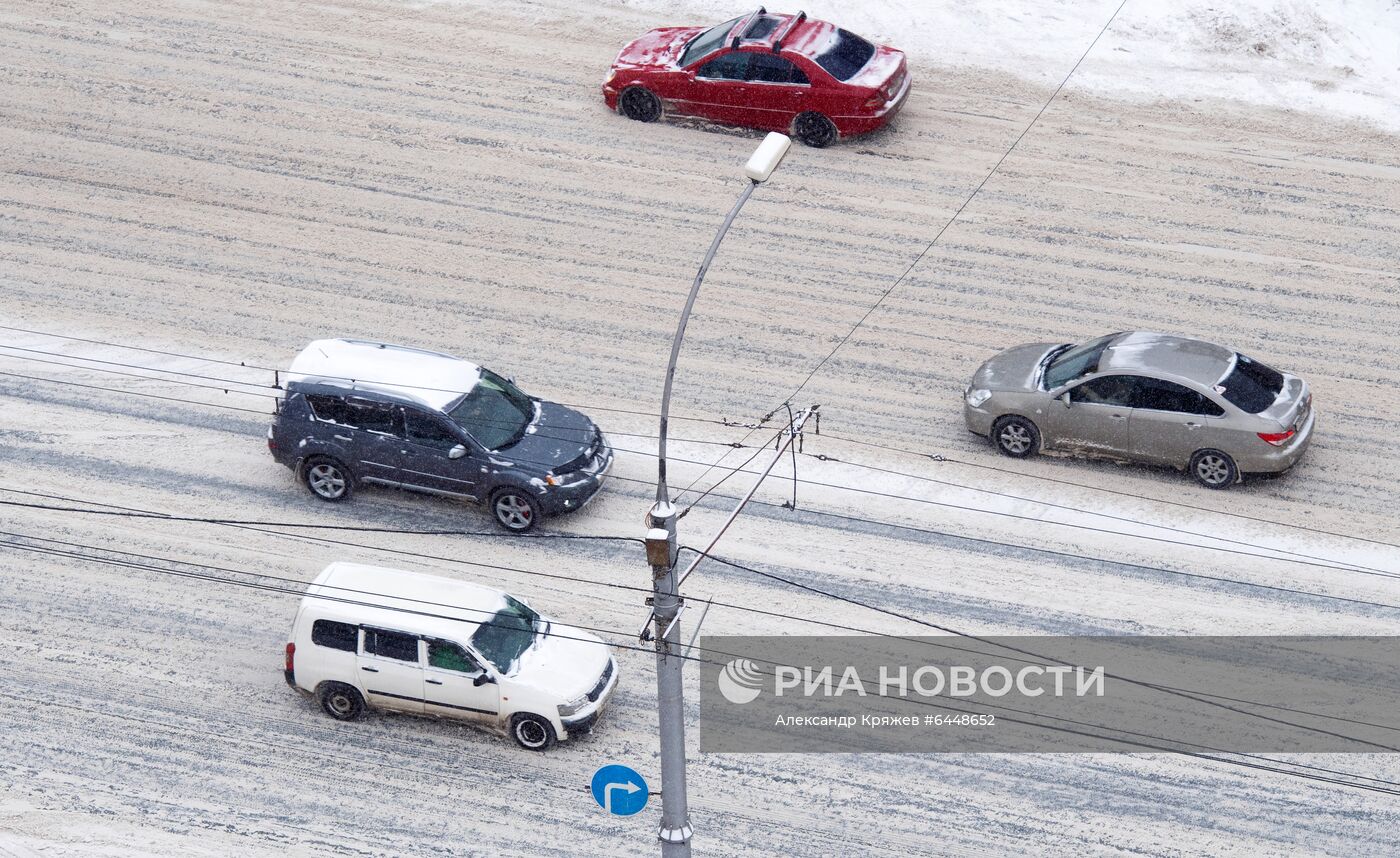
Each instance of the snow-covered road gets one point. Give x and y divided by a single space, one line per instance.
233 179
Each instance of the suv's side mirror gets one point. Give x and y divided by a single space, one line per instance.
457 452
483 679
1064 397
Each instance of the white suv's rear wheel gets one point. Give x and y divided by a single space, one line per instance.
340 701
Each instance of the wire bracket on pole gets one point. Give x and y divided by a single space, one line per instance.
666 632
689 647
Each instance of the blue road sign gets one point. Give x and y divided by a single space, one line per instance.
619 790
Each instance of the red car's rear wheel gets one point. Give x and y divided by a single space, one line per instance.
639 103
814 129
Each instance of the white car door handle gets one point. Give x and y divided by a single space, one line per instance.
370 669
1193 425
433 681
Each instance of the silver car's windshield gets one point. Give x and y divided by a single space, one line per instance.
1078 361
495 412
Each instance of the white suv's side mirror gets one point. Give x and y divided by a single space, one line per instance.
1064 397
457 452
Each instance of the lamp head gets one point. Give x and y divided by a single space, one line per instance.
767 156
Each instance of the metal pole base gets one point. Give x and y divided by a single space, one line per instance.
675 835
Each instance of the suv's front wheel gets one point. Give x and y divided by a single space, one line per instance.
531 732
328 479
514 509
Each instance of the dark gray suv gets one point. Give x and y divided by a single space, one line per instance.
359 412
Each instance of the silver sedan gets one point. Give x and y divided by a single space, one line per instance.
1144 397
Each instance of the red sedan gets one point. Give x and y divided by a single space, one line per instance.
786 73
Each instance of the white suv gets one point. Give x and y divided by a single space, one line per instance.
408 642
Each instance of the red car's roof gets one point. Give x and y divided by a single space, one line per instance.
808 37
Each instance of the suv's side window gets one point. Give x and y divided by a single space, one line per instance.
332 409
730 66
329 633
450 656
1161 395
373 416
423 428
771 68
1106 390
395 645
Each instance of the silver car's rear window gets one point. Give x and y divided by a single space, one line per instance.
1251 386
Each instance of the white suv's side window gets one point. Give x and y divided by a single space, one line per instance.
329 633
449 656
395 645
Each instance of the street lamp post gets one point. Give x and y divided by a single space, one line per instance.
662 549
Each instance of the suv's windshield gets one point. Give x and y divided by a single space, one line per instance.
845 55
1251 386
495 412
706 42
508 633
1080 360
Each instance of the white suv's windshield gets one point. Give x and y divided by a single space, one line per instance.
508 633
495 412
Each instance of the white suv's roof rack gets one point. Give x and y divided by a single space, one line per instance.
433 378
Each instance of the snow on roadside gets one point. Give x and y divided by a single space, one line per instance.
1332 56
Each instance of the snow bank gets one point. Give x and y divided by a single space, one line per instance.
1334 56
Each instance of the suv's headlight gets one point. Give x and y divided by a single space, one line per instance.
573 707
977 397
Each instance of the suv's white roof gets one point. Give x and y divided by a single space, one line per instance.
432 378
406 601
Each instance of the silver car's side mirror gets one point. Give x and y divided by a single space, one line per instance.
1064 397
457 452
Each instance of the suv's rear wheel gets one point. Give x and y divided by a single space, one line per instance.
814 129
1214 469
639 103
531 732
340 701
328 479
1016 436
514 510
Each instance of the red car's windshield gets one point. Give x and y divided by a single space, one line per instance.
707 42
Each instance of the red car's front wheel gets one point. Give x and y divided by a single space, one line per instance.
639 103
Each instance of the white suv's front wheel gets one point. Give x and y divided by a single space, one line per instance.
531 732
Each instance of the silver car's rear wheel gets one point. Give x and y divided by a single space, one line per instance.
1016 436
1213 469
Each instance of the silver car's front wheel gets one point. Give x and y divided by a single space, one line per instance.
1213 469
1016 436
